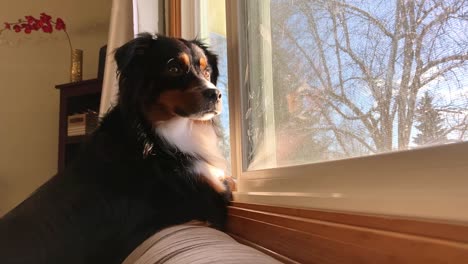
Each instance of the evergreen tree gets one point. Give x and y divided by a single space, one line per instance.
429 122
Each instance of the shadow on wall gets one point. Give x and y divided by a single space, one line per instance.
3 189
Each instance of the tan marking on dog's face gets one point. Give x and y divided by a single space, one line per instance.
185 59
203 63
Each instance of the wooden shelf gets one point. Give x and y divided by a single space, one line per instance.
75 139
76 97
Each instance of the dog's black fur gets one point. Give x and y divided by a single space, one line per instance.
128 182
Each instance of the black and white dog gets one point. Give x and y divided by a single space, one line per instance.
153 162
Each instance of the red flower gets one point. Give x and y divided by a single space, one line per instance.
44 23
17 28
47 28
30 19
27 29
59 25
45 18
36 26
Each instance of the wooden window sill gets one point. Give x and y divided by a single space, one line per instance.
294 235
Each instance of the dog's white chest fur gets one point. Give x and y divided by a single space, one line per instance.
199 139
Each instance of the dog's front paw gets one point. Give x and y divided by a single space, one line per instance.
231 186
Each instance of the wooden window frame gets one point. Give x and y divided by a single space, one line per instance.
174 18
296 235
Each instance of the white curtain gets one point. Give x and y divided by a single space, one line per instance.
128 18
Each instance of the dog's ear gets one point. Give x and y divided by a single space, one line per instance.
128 55
212 60
133 62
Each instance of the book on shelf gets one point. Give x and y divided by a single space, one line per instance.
82 124
76 134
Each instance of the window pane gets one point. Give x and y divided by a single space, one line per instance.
213 32
329 80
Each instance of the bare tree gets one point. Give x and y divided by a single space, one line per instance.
370 60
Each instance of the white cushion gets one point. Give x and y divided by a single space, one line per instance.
196 244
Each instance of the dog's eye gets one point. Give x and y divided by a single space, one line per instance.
174 70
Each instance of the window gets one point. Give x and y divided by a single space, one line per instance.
198 22
330 80
350 105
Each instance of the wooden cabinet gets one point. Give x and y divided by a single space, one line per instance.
77 97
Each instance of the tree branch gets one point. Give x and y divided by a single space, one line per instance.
306 56
367 16
440 73
433 63
318 41
352 135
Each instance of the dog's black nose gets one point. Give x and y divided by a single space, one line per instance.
212 94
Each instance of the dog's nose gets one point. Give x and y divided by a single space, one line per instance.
212 94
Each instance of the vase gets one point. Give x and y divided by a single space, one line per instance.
76 68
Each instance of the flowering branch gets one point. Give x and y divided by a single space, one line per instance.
44 23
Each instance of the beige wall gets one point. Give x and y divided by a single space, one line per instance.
30 67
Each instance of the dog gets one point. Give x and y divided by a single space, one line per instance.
153 162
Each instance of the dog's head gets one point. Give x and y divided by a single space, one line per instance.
162 78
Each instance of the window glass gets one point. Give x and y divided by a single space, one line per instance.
213 32
327 80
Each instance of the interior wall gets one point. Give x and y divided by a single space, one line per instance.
30 67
